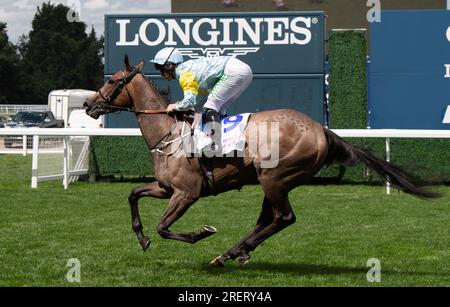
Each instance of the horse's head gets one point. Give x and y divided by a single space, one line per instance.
114 94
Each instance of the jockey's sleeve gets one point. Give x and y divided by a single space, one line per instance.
190 88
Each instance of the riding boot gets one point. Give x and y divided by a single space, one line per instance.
212 119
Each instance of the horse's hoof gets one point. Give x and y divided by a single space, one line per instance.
218 261
243 259
145 243
208 230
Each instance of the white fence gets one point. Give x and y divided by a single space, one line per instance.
15 108
68 133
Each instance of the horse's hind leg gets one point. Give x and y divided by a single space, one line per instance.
282 217
265 219
154 190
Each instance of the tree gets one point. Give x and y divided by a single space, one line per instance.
59 54
9 63
91 67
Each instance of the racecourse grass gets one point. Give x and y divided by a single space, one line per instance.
338 229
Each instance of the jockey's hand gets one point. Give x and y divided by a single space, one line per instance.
170 108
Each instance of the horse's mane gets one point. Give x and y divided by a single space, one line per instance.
165 93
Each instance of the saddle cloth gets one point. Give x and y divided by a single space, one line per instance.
233 137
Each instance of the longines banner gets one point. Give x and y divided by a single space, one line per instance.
272 43
409 72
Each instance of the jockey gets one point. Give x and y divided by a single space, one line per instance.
224 77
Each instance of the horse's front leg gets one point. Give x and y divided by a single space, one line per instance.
178 205
153 190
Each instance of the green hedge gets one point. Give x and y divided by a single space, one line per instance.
124 156
347 90
348 80
426 158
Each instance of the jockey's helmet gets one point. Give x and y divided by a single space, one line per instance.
167 55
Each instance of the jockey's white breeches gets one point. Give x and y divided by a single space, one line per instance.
236 78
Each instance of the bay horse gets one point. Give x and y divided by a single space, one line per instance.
305 146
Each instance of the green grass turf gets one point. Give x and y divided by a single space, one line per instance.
338 229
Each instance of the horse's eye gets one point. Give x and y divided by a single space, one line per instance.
111 81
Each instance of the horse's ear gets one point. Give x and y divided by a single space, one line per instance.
140 66
127 63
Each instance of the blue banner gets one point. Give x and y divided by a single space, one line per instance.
409 71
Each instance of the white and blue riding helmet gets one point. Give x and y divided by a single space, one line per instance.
168 55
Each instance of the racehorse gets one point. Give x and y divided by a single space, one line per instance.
305 146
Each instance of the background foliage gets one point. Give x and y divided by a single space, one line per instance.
124 156
347 90
9 67
56 54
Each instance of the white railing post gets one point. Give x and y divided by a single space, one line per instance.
66 162
388 159
34 163
24 145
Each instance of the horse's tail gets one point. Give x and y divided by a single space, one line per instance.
342 153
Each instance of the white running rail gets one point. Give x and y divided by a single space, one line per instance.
15 108
68 132
83 155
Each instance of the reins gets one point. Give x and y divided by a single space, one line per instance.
108 101
146 111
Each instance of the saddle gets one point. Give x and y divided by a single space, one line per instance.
233 141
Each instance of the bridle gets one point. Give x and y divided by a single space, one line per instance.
107 103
